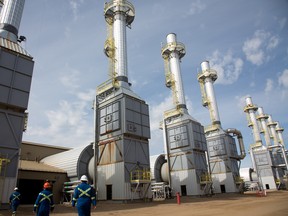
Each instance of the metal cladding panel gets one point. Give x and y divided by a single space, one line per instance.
111 152
123 114
110 118
136 118
182 162
74 162
263 163
6 186
190 179
11 131
186 136
112 174
16 77
277 157
225 179
216 146
200 161
232 148
136 151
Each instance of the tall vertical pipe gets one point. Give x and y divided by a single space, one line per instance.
279 131
173 51
250 109
120 13
119 33
207 77
10 19
262 118
272 125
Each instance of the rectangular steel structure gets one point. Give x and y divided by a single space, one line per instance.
123 128
16 68
186 146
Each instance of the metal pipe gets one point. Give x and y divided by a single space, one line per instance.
272 125
120 13
167 153
240 141
173 51
251 109
10 19
208 77
279 131
262 119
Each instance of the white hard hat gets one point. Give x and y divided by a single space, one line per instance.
16 188
84 178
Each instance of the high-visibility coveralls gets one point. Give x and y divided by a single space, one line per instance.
15 201
83 196
44 203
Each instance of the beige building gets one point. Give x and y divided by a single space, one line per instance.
32 173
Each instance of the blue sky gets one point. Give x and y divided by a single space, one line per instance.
245 41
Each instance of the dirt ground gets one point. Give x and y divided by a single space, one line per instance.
248 204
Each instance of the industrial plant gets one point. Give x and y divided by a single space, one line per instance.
197 160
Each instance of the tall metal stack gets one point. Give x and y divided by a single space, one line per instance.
260 155
16 68
222 150
184 136
121 118
277 151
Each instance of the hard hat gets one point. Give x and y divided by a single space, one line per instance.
16 188
46 185
84 178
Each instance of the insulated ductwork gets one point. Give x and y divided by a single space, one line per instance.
240 141
159 168
75 162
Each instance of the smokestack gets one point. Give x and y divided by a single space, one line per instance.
262 118
206 78
119 14
279 131
250 109
272 125
10 19
172 52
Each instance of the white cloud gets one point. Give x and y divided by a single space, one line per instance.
157 110
257 48
68 125
283 79
228 67
196 7
269 85
282 22
70 80
74 5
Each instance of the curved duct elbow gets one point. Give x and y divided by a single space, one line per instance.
240 141
159 168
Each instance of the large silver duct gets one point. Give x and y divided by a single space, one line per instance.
172 52
236 132
75 162
206 79
159 168
119 14
250 109
263 120
10 19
